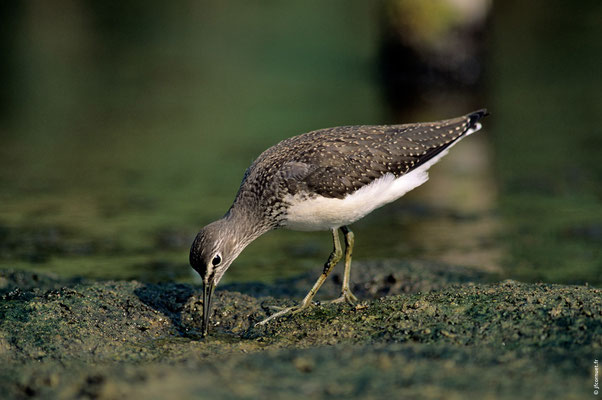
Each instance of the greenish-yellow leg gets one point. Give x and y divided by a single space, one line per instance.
333 259
346 294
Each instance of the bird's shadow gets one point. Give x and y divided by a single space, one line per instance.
168 299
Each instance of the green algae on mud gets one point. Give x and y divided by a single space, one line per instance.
70 339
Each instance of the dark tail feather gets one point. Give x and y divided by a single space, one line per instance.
476 116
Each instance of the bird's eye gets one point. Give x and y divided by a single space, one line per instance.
216 260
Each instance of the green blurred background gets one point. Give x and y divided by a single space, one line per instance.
126 126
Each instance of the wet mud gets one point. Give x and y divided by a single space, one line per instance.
421 330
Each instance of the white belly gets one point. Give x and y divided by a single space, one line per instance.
323 213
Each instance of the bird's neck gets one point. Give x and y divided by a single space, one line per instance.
245 224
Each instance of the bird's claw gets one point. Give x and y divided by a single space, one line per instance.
284 311
346 296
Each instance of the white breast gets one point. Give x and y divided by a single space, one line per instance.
322 213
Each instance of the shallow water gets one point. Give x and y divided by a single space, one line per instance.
124 130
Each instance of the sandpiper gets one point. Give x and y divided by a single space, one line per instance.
323 180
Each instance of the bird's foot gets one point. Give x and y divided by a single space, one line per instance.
346 296
284 311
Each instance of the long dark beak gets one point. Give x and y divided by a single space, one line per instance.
207 294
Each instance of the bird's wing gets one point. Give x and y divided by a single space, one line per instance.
347 158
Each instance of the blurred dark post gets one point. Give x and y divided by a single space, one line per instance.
430 48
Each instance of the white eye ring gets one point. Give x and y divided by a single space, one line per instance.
217 259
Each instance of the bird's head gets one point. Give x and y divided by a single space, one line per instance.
215 247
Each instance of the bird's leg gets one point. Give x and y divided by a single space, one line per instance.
346 294
333 259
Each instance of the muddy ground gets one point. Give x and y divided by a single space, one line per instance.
422 330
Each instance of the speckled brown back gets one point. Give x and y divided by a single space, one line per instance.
337 161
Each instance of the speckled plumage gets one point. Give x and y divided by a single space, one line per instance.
324 179
335 162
